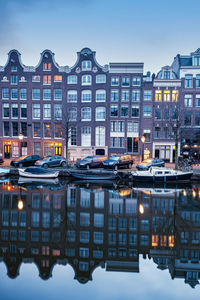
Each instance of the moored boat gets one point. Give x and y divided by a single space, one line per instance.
36 172
87 175
155 174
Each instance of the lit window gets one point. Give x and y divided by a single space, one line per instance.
47 133
158 96
47 66
166 96
174 96
57 78
47 79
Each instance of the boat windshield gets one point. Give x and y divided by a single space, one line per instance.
114 157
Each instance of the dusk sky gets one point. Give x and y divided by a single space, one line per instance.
146 31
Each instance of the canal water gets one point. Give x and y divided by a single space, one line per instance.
83 240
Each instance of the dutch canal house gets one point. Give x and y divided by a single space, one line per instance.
106 109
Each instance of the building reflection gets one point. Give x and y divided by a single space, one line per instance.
90 226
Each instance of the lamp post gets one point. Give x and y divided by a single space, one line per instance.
21 137
143 141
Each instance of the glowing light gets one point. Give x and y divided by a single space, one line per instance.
20 205
143 139
21 136
184 193
141 209
194 193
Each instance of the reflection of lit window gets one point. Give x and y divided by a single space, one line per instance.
154 240
163 241
171 241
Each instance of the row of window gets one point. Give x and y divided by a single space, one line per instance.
166 95
14 112
189 82
21 94
188 100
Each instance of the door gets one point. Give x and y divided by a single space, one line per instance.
157 153
6 151
58 150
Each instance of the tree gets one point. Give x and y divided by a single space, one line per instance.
68 123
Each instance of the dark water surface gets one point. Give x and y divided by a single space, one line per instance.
63 240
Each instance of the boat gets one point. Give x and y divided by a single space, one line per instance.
37 172
156 174
94 175
4 172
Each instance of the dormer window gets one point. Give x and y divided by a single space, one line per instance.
167 75
13 68
47 67
196 61
86 65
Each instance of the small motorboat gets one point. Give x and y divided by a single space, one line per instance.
4 172
91 175
37 172
156 174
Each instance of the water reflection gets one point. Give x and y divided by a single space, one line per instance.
89 225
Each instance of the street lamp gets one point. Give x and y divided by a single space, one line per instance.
143 141
21 137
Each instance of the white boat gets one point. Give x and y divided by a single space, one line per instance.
4 172
155 174
24 180
36 172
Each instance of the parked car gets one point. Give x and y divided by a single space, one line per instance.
25 161
146 164
91 162
1 160
52 161
118 161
